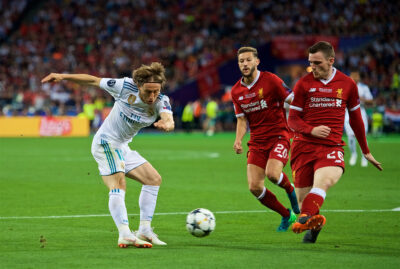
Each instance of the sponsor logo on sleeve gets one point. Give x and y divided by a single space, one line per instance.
166 105
111 83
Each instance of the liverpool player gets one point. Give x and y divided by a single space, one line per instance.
258 98
317 116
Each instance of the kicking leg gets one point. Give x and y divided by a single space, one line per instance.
117 185
151 180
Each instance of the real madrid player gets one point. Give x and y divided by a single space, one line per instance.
365 99
138 104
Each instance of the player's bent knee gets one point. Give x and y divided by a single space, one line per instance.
256 190
154 180
326 183
272 176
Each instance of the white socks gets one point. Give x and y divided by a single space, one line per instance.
319 192
147 205
116 204
352 145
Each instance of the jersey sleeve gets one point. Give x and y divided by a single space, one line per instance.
164 105
366 94
353 101
282 90
112 86
238 110
299 98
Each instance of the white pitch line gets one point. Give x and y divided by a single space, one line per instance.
216 212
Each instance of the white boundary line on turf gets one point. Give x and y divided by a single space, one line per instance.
216 212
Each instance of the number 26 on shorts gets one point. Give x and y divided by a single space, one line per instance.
336 154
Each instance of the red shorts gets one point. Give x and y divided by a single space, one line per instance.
278 150
306 158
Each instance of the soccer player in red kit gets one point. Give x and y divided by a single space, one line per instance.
317 116
258 99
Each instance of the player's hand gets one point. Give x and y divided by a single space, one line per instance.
372 160
321 131
237 146
53 77
162 125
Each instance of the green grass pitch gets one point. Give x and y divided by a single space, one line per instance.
54 209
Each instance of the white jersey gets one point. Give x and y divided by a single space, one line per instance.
129 113
364 93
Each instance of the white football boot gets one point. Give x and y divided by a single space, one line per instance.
133 241
364 162
353 159
149 236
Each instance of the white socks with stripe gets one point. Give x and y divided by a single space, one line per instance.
147 205
116 204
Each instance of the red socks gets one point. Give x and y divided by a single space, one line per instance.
270 201
285 183
313 202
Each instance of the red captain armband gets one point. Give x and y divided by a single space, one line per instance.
357 125
297 124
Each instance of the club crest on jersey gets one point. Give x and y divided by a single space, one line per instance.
131 99
261 93
151 111
339 93
111 83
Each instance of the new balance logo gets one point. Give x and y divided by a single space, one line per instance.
312 90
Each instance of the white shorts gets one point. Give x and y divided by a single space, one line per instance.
115 158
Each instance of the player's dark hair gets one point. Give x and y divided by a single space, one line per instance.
155 72
248 49
325 47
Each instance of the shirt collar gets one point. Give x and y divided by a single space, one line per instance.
326 81
254 81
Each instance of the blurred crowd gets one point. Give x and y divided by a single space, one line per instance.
110 38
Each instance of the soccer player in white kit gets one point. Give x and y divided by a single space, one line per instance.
365 98
138 104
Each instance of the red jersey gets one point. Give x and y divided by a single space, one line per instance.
261 103
324 102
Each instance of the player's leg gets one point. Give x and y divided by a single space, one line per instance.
364 161
255 177
111 168
277 159
301 193
151 181
324 178
275 174
303 178
352 142
117 185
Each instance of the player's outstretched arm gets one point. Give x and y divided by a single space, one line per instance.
166 123
241 129
372 160
82 79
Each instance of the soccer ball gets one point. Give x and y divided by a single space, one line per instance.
200 222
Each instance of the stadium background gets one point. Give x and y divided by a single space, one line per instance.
196 41
53 205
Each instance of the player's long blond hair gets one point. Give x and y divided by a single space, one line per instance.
155 72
